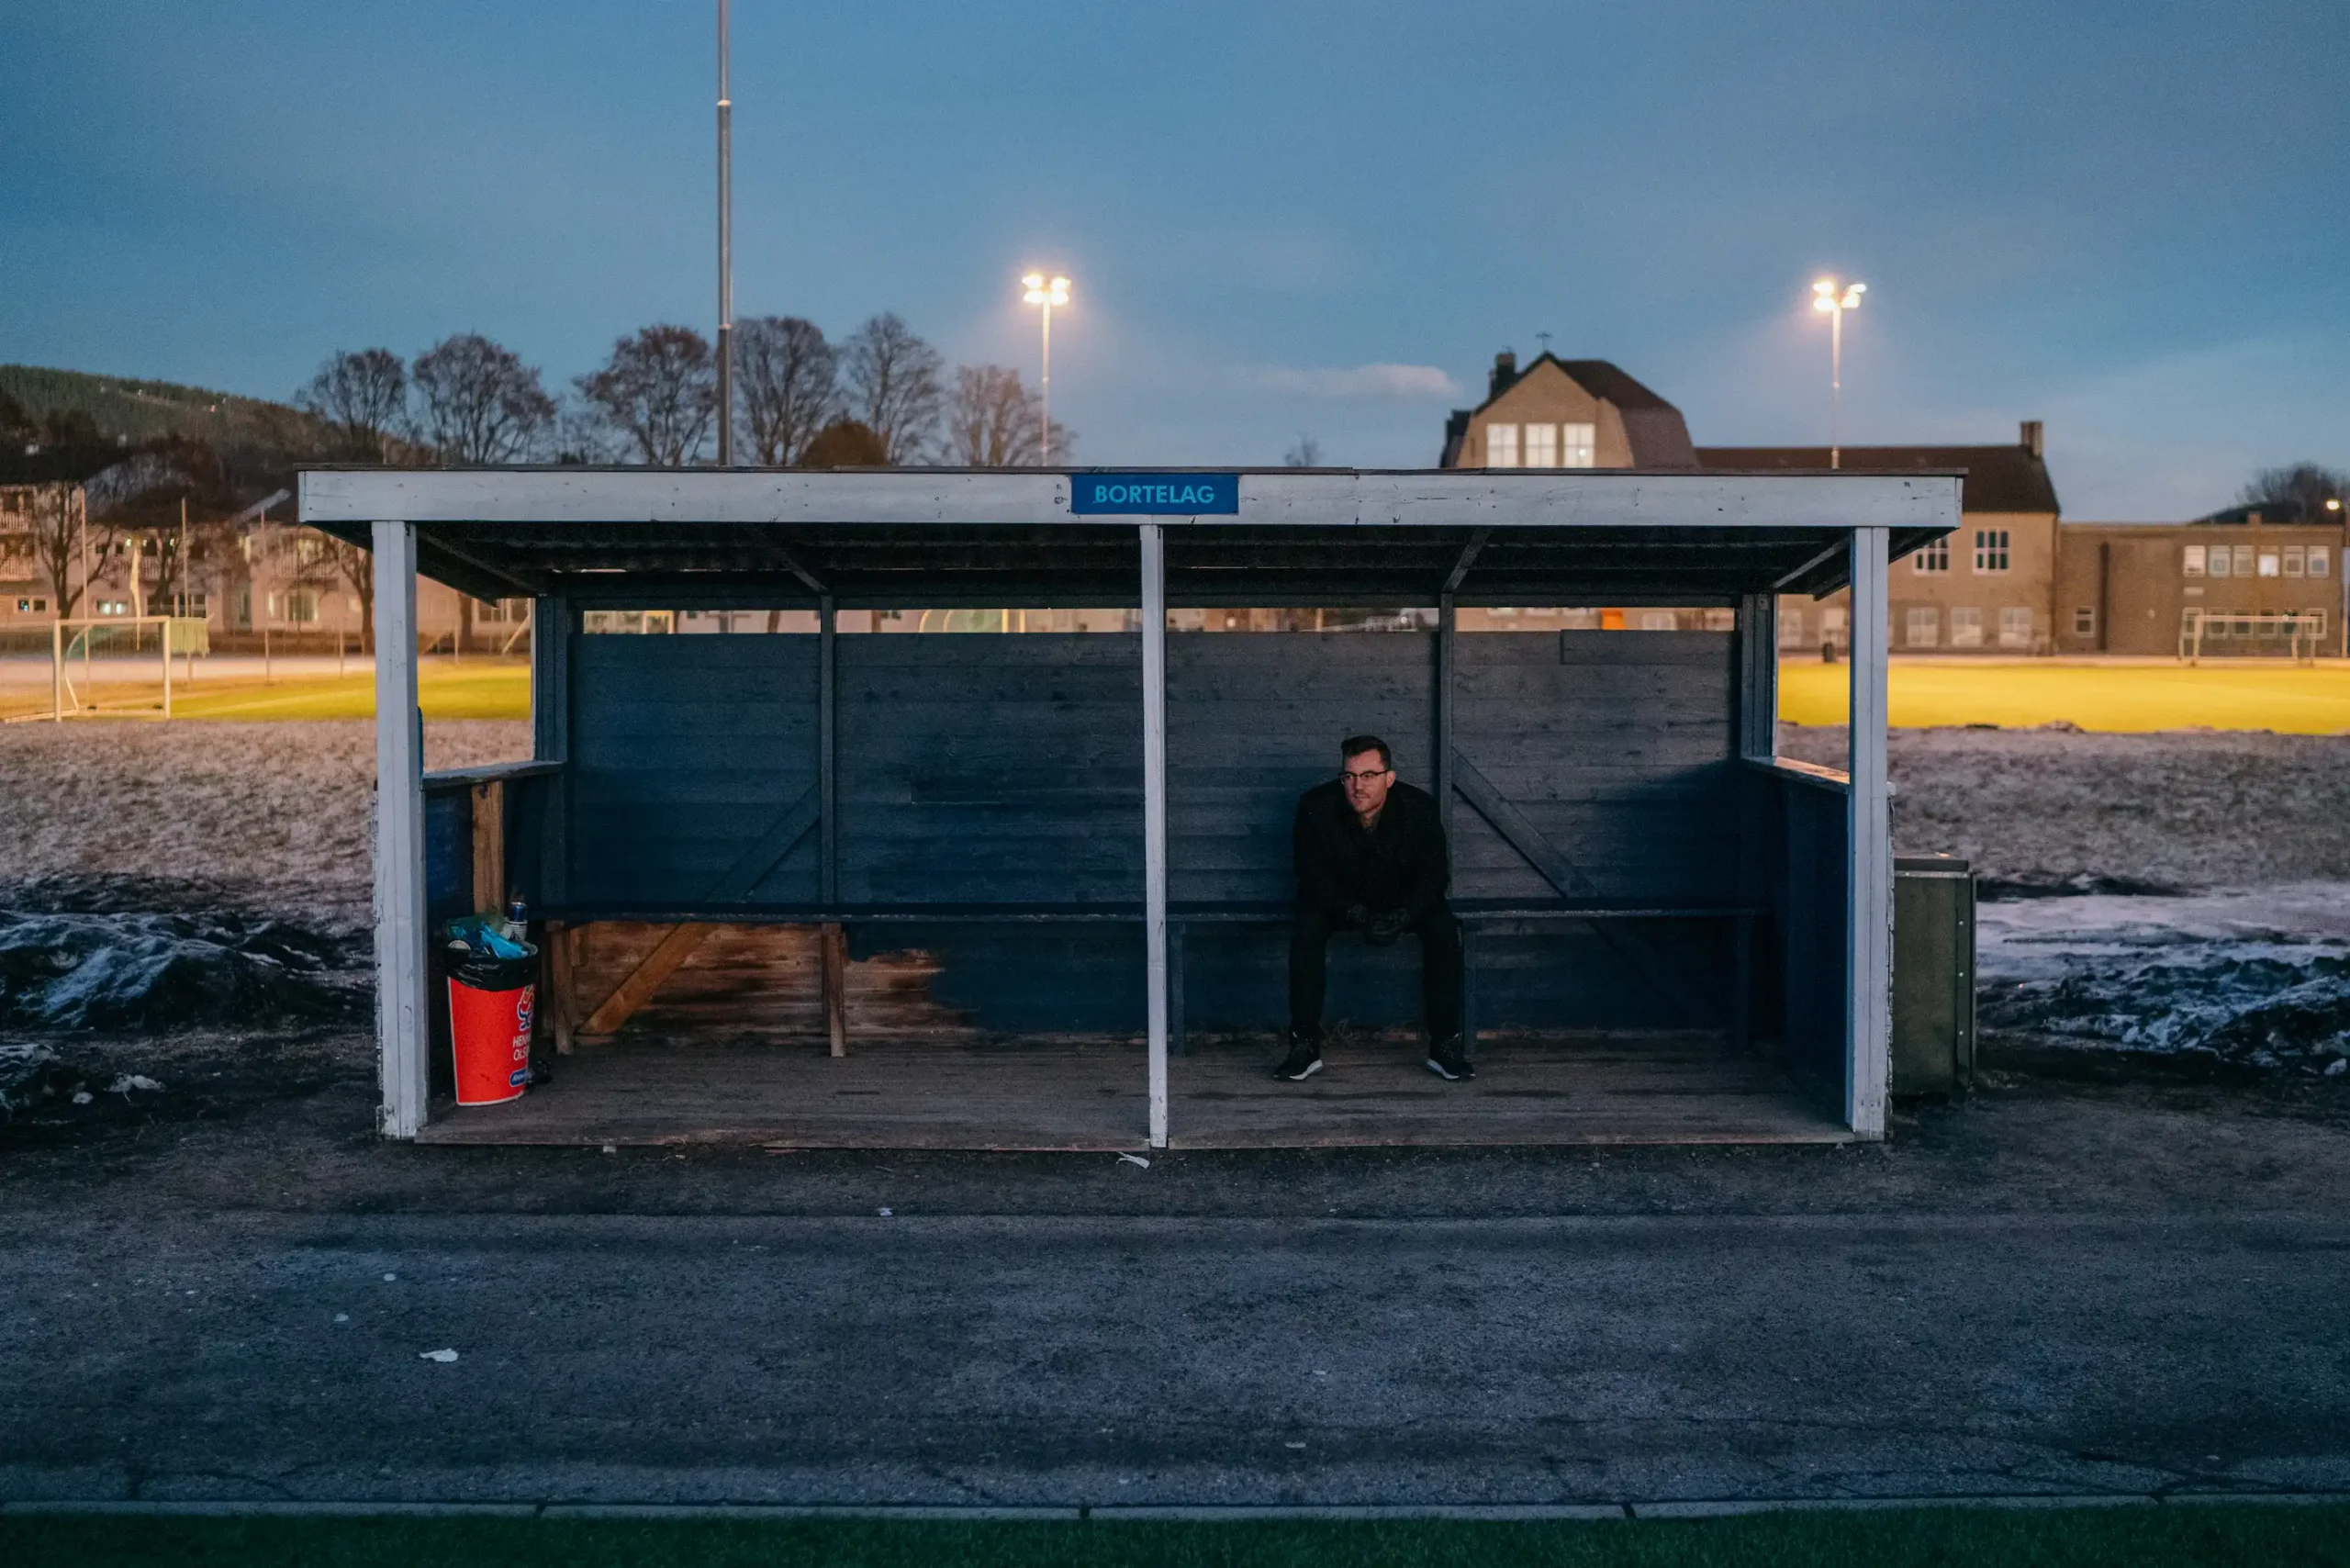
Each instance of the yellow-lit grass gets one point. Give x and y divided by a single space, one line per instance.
2307 699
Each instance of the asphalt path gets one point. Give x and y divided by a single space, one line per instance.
1110 1358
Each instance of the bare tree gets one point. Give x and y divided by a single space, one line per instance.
894 384
1306 454
477 402
789 380
2296 492
993 422
361 397
658 394
335 565
59 535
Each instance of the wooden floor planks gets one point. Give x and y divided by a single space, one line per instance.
1089 1094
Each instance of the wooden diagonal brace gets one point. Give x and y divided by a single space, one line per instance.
1539 852
679 942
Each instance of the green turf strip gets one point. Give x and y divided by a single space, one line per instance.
2138 1537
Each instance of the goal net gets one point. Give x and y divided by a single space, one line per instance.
111 667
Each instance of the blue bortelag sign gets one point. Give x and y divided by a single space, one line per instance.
1163 494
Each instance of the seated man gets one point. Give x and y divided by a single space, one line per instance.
1370 857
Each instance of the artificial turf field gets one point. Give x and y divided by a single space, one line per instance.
2142 1536
2290 698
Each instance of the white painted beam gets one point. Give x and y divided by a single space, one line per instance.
1554 498
1869 892
402 1019
1154 816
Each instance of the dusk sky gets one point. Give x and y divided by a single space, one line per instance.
2130 219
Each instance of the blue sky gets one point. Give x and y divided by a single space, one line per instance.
2129 219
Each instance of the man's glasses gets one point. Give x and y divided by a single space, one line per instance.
1364 776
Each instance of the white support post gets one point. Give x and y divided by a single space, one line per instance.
1868 1028
57 670
402 1015
1154 814
167 666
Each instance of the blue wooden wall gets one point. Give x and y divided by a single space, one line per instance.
684 751
978 768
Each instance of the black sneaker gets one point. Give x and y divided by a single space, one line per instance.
1448 1061
1305 1059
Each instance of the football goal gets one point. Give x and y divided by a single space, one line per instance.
113 666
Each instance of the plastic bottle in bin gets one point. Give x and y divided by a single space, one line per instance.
492 991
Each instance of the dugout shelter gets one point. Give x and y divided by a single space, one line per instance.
825 886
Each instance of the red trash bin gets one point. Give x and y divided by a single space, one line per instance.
490 1002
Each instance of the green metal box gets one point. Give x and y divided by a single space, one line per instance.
1933 974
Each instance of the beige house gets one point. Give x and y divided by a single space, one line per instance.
1555 413
1988 589
269 581
2205 589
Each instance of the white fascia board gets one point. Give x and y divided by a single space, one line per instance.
1600 498
1439 498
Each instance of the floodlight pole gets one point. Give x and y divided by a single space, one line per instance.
726 252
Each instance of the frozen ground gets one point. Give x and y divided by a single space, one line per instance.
2182 894
2050 808
184 817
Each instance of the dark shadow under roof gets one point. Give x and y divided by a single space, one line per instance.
769 565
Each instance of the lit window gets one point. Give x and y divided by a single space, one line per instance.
1659 621
2294 559
2191 560
2243 553
1966 627
2268 563
2085 622
1541 446
1791 628
2317 560
1934 557
1924 627
2015 626
1581 449
1990 549
302 606
1500 446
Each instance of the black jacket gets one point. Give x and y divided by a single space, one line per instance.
1401 866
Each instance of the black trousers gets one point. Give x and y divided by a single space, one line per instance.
1309 973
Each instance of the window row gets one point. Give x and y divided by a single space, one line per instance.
2250 561
1991 553
1922 626
1541 446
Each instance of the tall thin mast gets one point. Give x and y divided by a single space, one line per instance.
725 254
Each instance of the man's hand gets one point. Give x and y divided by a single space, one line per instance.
1383 927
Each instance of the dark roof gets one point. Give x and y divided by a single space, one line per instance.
1998 479
1658 436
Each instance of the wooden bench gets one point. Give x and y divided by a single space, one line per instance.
1478 918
